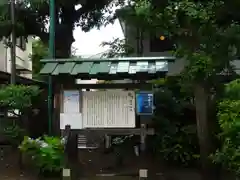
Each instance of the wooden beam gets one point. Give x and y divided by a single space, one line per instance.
145 76
115 131
116 86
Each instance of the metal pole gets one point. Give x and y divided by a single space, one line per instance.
52 29
13 44
51 55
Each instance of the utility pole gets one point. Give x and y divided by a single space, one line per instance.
51 55
13 44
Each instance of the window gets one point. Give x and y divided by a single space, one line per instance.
21 43
158 44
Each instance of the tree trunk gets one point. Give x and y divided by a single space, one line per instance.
139 44
64 32
203 130
64 40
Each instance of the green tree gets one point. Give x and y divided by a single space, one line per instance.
204 37
32 19
117 48
17 100
39 51
18 97
175 141
228 154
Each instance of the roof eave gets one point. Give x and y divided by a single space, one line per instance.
159 58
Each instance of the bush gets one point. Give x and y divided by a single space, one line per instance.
17 101
228 155
176 135
47 153
177 145
14 134
18 97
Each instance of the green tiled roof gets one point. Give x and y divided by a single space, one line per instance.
93 68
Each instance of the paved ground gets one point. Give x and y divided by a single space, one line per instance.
9 170
9 167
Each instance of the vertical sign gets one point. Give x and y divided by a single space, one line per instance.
144 101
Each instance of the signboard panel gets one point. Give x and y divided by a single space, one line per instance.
144 101
109 109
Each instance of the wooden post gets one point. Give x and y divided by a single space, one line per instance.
143 174
107 141
143 135
66 172
72 153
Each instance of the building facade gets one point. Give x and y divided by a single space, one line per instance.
151 45
23 60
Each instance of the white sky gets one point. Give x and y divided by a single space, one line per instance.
88 44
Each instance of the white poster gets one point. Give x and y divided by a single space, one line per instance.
72 119
71 101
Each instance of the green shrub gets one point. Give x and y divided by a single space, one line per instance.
16 100
178 144
176 139
228 155
14 134
47 153
18 97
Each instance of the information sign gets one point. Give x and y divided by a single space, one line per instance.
144 100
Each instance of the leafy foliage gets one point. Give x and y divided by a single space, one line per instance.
190 24
39 51
47 153
32 18
232 90
18 96
229 117
176 137
119 140
117 48
14 134
204 37
17 100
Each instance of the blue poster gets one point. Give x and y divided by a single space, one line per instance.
144 102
